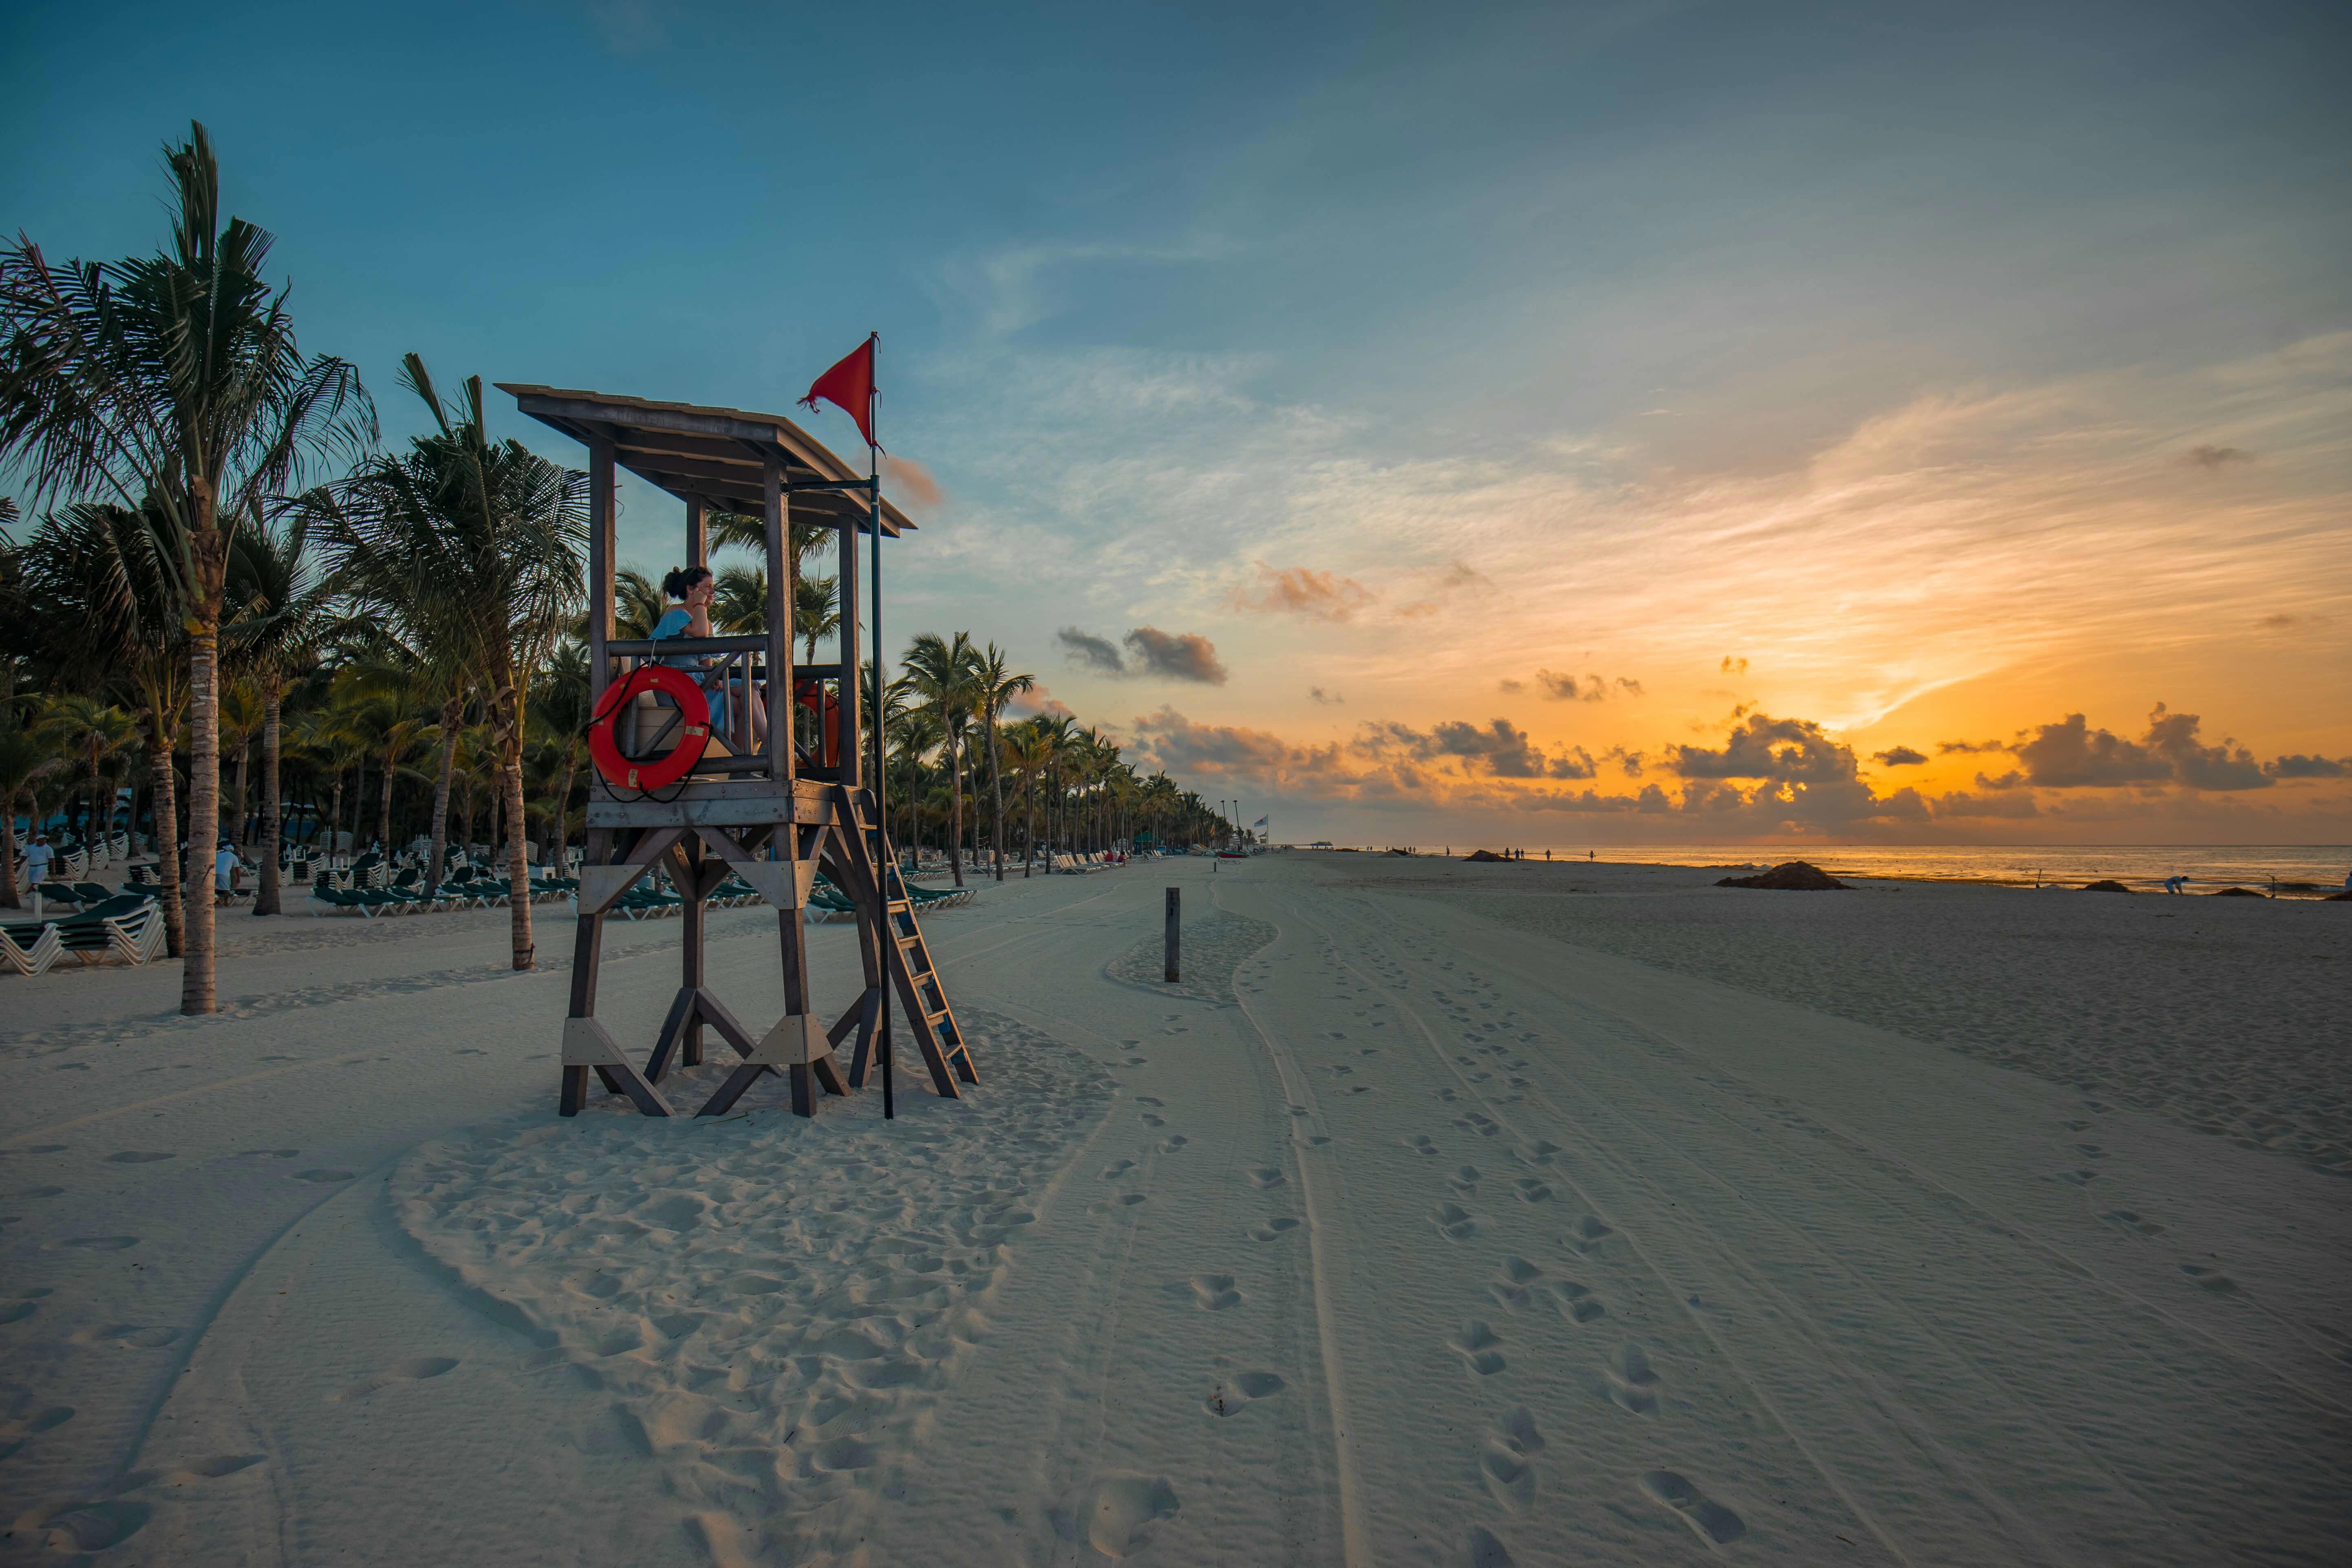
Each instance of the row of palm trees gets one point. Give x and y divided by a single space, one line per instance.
196 588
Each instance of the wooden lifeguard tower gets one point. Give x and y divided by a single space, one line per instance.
760 808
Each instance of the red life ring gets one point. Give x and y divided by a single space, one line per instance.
693 711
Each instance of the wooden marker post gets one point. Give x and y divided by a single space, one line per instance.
1175 935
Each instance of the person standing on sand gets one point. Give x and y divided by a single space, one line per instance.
38 859
2172 884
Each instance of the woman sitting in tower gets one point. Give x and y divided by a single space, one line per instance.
691 589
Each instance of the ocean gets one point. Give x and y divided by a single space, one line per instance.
2322 868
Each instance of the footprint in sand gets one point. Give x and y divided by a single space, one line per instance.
92 1243
1507 1475
1214 1292
1589 1234
86 1526
1477 1344
1272 1229
1233 1393
323 1175
128 1336
1518 1428
1464 1180
1632 1383
1576 1302
1148 1099
2211 1279
138 1157
1513 1282
1486 1549
1131 1199
1151 1121
2076 1178
1712 1520
1362 1088
1539 1152
1453 1222
2090 1150
1124 1509
1173 1142
1266 1176
14 1435
39 1193
2128 1220
17 1312
1529 1190
1113 1172
412 1371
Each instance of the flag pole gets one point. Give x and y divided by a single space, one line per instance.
885 862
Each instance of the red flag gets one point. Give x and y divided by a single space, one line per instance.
849 385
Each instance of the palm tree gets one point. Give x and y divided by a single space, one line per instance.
816 612
92 733
638 606
478 545
283 614
562 699
739 601
111 615
172 382
998 686
27 756
1027 748
241 719
940 674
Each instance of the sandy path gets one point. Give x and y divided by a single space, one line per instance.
1394 1235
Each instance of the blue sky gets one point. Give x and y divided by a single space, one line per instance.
1473 309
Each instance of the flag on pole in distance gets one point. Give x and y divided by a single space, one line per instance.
849 386
1259 823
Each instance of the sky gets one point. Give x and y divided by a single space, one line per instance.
1546 425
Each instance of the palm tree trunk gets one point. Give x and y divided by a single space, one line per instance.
955 815
996 789
556 845
383 814
8 852
1029 832
273 700
451 711
165 808
196 978
510 739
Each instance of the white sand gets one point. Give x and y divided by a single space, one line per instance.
1402 1232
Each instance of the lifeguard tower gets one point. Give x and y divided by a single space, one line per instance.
759 807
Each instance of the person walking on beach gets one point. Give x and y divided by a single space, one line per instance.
38 859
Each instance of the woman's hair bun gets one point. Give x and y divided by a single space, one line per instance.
680 582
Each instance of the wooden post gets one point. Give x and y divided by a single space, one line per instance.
851 753
690 914
599 567
780 628
1175 934
698 534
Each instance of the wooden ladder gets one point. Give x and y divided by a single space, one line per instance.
871 877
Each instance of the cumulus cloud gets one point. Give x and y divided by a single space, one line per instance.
1628 763
2070 754
1498 747
1176 656
1179 656
2297 767
1970 748
1794 751
1302 591
2216 457
1566 689
1900 757
1733 665
1090 652
1317 695
1169 741
1630 686
1038 699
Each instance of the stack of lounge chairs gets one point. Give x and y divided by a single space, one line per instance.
128 927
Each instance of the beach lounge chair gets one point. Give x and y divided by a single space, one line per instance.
29 949
126 926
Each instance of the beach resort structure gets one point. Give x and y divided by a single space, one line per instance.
672 790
